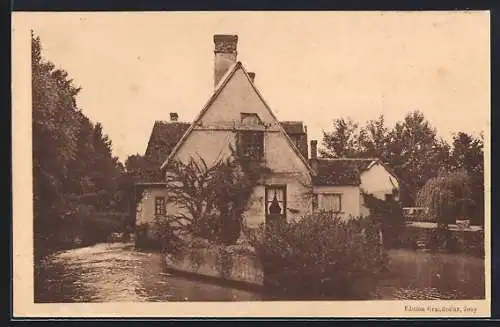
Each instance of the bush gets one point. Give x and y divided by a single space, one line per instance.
144 239
319 256
389 214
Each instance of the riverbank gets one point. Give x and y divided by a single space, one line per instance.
117 272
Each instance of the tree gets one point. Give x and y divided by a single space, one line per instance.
344 141
415 153
375 139
447 196
411 148
140 169
468 154
55 128
76 178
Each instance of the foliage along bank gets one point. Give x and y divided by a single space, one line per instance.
81 192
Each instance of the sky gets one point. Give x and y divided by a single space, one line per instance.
135 68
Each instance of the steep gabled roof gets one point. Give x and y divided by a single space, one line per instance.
164 137
293 127
220 86
344 171
338 172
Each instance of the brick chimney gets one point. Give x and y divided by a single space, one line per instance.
314 156
252 76
174 116
225 54
314 149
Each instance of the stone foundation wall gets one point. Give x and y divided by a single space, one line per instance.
470 242
228 263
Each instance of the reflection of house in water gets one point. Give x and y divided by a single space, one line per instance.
237 116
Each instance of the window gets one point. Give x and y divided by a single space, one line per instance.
275 200
331 202
160 206
252 145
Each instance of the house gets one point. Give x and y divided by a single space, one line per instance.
236 110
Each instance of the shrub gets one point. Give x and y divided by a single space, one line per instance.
144 239
389 214
319 256
213 197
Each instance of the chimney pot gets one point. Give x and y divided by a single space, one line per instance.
225 54
225 43
174 116
314 149
252 76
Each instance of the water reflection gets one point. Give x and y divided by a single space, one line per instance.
420 275
117 272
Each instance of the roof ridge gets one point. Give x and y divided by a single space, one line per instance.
171 122
347 159
220 86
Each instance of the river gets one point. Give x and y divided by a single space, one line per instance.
117 272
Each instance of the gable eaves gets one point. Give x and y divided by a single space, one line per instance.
387 169
289 140
220 86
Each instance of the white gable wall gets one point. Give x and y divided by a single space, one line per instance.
211 136
378 182
237 96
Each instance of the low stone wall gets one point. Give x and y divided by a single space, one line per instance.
230 263
470 242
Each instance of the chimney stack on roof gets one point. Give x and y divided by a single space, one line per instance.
314 149
225 54
252 76
174 116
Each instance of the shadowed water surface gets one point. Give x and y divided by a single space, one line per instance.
117 272
426 276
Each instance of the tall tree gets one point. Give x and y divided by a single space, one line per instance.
75 174
415 153
374 139
411 148
55 131
344 141
467 154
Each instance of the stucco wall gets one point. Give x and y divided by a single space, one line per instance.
212 137
298 199
146 206
210 145
350 198
238 96
377 181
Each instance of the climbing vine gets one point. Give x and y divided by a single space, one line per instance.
212 198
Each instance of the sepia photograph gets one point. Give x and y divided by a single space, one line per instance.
253 159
